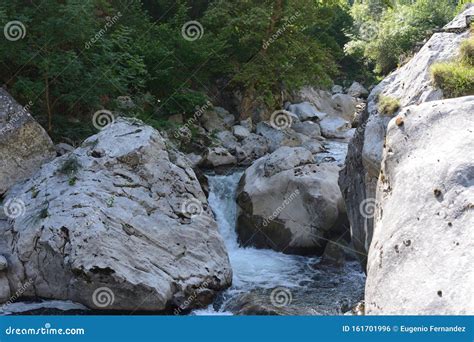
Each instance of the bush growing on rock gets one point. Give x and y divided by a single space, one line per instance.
456 78
388 105
467 52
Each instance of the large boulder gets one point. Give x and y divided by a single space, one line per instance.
121 223
278 137
346 105
290 204
240 132
24 144
219 156
409 85
422 251
320 99
227 140
253 147
308 128
357 90
216 119
306 111
335 127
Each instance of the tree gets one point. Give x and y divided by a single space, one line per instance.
385 35
75 57
271 46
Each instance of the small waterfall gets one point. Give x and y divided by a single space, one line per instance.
252 267
261 269
264 269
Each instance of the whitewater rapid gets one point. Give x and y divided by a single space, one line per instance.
253 268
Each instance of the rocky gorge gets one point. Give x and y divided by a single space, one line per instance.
326 206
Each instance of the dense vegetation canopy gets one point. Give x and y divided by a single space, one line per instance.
75 57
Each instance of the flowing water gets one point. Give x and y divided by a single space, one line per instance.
304 287
257 271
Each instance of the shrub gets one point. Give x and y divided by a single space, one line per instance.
467 52
388 105
455 79
70 166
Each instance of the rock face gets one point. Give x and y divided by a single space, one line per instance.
121 223
24 144
410 85
289 204
422 251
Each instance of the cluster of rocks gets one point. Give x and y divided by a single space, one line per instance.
289 198
315 116
125 211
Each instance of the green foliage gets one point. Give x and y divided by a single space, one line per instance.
467 52
71 64
388 105
461 5
79 56
387 31
70 166
269 46
456 78
72 181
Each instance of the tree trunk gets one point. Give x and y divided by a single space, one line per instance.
48 103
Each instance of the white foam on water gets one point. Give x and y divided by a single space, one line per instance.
252 268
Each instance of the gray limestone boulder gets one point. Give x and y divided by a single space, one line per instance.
24 144
120 223
422 250
290 204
